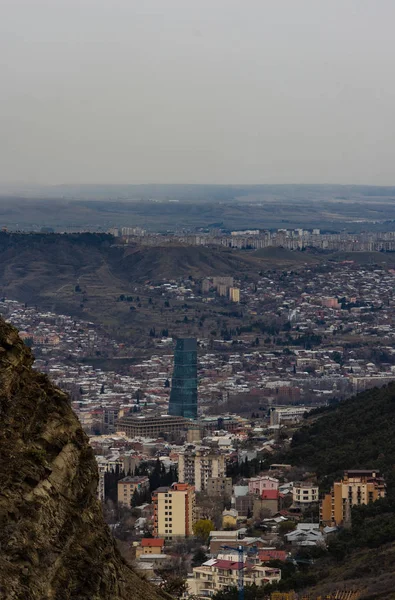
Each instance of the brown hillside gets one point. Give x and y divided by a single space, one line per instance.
54 544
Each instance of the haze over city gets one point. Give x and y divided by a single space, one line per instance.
187 91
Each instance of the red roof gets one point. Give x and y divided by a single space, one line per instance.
154 542
266 555
228 564
269 495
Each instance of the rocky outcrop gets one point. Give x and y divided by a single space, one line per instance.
54 544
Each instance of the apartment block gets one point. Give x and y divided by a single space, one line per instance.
226 281
304 494
357 487
196 467
218 574
174 511
219 486
128 485
234 294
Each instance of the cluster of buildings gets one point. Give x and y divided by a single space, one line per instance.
224 287
292 239
355 488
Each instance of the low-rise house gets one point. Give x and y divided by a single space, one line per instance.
150 546
306 534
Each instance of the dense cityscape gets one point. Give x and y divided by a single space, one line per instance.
197 300
187 441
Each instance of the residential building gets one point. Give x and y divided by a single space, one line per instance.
197 466
234 294
110 416
150 546
183 395
304 494
219 486
267 504
218 574
226 281
256 485
128 485
306 534
244 504
174 510
357 487
291 414
222 289
134 426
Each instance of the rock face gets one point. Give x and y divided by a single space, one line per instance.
54 544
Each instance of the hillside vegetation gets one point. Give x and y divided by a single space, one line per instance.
356 433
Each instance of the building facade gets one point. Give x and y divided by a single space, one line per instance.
174 511
128 485
217 575
357 487
257 485
304 494
219 486
196 467
134 426
183 395
234 294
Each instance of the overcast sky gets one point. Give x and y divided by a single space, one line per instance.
197 91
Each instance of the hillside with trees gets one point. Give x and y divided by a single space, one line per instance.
357 433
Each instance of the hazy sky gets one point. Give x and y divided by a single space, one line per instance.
197 91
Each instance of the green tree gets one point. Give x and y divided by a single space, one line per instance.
202 529
286 527
199 558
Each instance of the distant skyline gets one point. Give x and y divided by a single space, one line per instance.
197 92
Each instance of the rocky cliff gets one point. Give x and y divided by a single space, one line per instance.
54 543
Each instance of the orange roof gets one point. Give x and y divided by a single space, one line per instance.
154 542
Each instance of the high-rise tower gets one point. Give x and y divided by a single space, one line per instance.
183 396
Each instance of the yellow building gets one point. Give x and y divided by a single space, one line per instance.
356 487
229 518
234 294
128 485
150 546
174 510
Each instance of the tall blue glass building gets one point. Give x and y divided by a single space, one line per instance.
183 395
